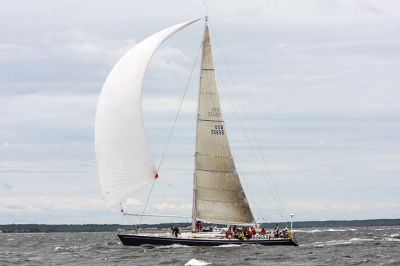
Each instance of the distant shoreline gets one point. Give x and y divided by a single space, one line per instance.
50 228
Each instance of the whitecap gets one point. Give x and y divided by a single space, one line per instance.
335 230
395 236
229 246
391 239
174 246
307 231
331 243
341 242
194 262
340 230
362 239
57 248
312 231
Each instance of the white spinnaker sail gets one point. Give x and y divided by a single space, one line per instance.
124 159
219 196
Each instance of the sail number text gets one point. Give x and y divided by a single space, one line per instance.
217 130
214 112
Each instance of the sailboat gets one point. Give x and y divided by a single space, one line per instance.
125 162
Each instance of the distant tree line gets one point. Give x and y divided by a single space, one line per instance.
50 228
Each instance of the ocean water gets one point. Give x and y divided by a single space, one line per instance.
318 246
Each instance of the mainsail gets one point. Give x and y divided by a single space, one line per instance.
218 193
124 159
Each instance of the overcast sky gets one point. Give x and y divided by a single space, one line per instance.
316 83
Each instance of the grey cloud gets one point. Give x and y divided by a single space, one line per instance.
318 79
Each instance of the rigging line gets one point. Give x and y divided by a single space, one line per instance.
250 194
122 210
277 203
177 189
145 206
210 83
252 130
122 219
257 143
248 141
206 7
165 194
179 108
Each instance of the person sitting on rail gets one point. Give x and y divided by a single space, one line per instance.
241 235
263 232
249 233
276 231
285 232
229 233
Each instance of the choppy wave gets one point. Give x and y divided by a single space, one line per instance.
174 246
341 242
331 243
391 239
312 231
307 231
341 230
229 246
353 241
194 262
66 249
362 239
318 246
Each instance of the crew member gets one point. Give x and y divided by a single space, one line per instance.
175 231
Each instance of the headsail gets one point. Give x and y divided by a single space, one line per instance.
124 159
219 196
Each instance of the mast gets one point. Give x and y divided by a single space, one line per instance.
197 129
218 196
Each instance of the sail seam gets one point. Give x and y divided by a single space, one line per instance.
218 189
210 156
224 222
209 120
220 201
229 171
209 92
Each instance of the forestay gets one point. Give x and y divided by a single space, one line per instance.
124 159
219 196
